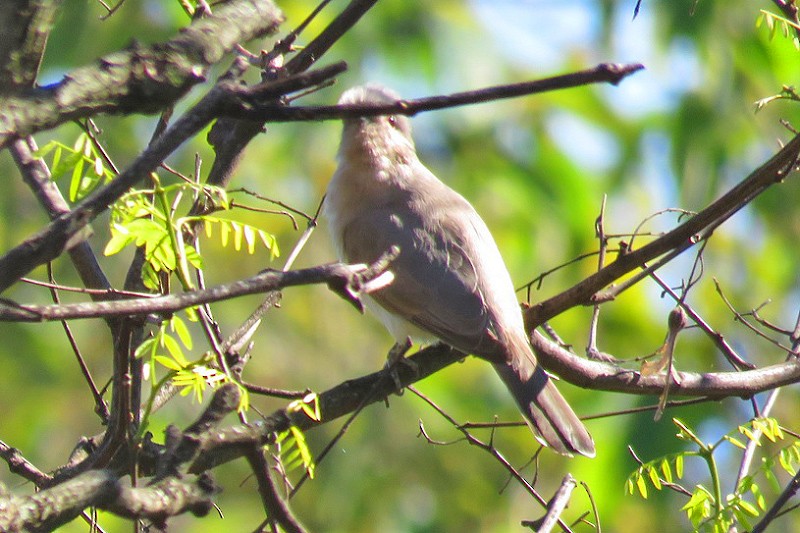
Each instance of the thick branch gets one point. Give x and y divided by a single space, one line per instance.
54 507
139 79
346 398
25 26
683 237
597 375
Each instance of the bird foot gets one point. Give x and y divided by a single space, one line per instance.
395 357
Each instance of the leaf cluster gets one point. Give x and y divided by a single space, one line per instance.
708 510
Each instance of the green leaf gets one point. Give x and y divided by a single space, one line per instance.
191 314
192 257
742 518
224 233
699 505
163 254
76 180
748 507
759 497
654 479
666 471
237 235
167 362
150 277
747 433
118 241
179 327
685 433
249 239
305 452
271 243
146 346
785 460
736 442
174 350
679 466
642 486
767 464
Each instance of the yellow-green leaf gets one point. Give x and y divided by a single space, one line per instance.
666 471
167 362
679 466
641 484
654 479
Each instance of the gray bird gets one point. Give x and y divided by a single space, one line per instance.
450 282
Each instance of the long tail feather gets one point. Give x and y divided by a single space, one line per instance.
543 407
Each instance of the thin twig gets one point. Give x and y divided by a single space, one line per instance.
490 448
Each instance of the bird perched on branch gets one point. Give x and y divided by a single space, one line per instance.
450 282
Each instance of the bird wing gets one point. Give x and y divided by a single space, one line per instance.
436 287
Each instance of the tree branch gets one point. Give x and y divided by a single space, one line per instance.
54 507
347 280
25 26
682 237
234 442
597 375
139 79
603 73
322 43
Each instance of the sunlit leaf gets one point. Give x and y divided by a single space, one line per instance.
642 486
180 329
666 471
679 466
654 479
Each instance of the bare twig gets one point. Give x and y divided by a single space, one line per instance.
491 450
555 506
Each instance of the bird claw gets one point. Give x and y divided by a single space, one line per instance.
396 356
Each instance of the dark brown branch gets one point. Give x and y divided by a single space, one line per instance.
680 238
20 466
139 79
322 43
772 513
169 497
346 280
25 26
231 443
604 73
278 511
49 509
555 507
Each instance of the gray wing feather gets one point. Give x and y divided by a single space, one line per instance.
435 287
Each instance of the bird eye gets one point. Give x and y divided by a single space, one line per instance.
392 120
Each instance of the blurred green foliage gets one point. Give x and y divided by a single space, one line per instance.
675 135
